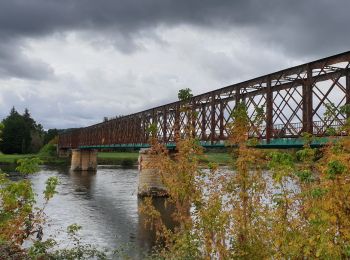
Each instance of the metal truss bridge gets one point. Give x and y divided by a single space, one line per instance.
294 101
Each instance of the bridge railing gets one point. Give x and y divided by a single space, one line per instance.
294 101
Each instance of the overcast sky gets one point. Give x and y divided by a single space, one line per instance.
72 62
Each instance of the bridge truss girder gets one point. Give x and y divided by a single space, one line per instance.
294 101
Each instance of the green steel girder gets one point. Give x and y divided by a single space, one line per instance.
273 143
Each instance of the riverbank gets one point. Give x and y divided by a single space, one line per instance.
110 158
13 158
6 159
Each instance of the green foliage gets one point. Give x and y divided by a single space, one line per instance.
28 165
21 134
48 150
331 111
305 176
259 117
345 110
238 129
1 129
240 114
185 94
152 129
50 190
16 134
335 168
307 138
40 249
318 193
20 220
331 131
50 135
17 199
331 114
306 154
73 229
277 159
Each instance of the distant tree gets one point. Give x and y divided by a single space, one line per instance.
1 128
185 94
21 134
37 141
15 134
29 120
50 134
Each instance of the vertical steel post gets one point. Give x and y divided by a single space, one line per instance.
212 119
164 125
221 118
347 86
269 110
155 122
144 130
237 96
347 90
307 102
193 116
177 123
204 123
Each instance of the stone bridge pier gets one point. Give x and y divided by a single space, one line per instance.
150 181
84 160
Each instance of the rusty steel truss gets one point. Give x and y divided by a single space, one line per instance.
294 101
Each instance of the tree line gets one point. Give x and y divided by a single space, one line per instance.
21 134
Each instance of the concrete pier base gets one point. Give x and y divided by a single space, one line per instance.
63 153
150 181
84 160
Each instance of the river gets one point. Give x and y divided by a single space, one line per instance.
104 203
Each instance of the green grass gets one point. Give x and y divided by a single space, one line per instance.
12 158
45 156
118 155
219 158
118 158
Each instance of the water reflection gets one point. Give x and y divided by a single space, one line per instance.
147 237
104 203
83 182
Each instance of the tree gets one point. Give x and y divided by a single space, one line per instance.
185 94
50 134
21 134
15 134
1 128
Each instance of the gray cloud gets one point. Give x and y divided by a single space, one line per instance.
13 63
312 27
272 34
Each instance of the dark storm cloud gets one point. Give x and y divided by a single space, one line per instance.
305 24
304 28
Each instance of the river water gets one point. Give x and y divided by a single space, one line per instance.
104 203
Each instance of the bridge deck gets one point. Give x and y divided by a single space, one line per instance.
274 143
294 101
